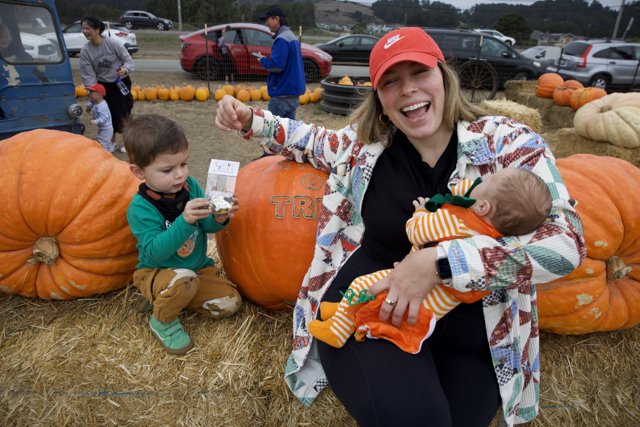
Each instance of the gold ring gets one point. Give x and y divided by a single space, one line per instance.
390 301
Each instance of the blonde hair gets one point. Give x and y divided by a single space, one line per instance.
367 117
522 202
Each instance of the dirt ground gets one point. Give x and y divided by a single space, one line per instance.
206 142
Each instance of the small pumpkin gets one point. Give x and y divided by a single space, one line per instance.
546 83
303 99
163 93
243 95
174 93
585 95
562 93
614 118
63 227
187 93
281 200
265 93
219 94
202 94
150 93
134 94
603 293
81 91
255 94
229 89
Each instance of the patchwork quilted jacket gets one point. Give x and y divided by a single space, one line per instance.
508 267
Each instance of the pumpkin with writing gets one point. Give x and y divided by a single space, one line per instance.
63 225
603 293
268 246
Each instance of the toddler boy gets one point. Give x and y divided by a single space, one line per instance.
101 115
170 218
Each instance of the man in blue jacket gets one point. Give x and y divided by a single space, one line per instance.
286 81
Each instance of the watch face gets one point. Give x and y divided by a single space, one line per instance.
443 267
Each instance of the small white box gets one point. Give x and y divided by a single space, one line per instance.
221 184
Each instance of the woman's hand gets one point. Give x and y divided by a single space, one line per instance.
233 115
121 72
196 209
408 284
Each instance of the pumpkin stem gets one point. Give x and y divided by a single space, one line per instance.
605 108
45 250
616 269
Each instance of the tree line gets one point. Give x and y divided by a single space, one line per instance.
579 17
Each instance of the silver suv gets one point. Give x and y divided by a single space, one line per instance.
600 63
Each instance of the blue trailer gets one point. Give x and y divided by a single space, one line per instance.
36 83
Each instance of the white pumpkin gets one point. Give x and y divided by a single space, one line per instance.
614 118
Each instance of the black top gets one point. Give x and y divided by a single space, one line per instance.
399 177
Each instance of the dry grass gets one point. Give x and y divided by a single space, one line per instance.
94 362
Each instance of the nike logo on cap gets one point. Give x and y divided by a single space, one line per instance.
392 40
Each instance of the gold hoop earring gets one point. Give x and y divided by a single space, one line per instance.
385 123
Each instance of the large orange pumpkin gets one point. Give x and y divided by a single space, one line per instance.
546 83
268 246
603 293
63 225
562 93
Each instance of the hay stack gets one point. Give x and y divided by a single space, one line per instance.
565 142
515 88
553 116
518 112
94 362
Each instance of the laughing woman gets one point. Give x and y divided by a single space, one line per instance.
416 135
104 61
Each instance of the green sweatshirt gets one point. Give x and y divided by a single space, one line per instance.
171 245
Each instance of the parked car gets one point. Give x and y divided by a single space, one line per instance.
354 48
545 55
141 19
600 63
462 46
75 40
497 34
199 53
40 48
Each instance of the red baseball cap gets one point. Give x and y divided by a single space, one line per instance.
98 87
403 44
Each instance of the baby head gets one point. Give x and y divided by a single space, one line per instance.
97 92
514 201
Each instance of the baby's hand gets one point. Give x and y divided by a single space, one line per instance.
196 209
223 217
420 202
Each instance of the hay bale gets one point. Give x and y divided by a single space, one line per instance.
519 112
94 362
565 142
514 88
553 116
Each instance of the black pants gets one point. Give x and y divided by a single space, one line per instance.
450 382
119 105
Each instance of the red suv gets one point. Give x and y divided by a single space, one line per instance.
244 39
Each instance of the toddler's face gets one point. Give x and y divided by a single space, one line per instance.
95 96
168 172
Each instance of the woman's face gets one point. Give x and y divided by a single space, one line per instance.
89 32
412 96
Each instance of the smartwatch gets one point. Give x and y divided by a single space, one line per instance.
443 269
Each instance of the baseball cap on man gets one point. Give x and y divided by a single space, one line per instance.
403 44
97 87
272 11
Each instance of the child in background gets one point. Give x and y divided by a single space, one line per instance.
511 202
170 217
101 115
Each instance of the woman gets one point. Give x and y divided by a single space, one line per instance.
105 61
414 135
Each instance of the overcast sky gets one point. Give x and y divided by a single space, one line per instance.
466 4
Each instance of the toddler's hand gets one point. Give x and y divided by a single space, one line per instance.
420 202
222 218
196 209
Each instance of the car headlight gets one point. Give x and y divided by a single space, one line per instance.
537 64
74 111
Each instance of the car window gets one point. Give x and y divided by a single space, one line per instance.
367 41
623 52
73 28
575 48
257 38
231 37
491 47
349 41
21 39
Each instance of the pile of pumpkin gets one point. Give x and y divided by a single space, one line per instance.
569 93
189 93
251 94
